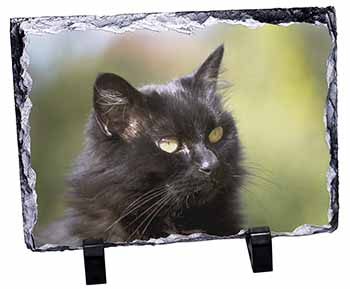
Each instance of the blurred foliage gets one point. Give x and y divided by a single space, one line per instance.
277 98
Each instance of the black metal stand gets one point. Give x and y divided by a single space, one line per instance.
94 260
259 243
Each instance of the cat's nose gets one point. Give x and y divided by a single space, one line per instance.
206 160
207 167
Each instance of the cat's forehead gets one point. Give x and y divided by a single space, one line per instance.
181 108
175 97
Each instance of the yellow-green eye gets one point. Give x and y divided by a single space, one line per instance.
216 134
168 145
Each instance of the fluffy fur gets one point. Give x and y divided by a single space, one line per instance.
124 187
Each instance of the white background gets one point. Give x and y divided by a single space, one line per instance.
319 261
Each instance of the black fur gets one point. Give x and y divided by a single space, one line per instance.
124 187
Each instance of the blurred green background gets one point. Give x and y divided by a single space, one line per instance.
278 93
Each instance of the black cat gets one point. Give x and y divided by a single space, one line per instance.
158 160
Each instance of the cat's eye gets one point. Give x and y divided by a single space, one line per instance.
168 145
216 134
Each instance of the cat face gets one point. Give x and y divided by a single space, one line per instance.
175 137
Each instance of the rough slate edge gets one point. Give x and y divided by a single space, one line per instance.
184 22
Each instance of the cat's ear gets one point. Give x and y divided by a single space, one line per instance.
113 100
207 73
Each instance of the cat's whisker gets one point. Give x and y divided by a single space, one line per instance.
186 200
148 193
156 213
254 166
252 179
147 210
266 186
140 201
154 207
259 171
238 176
143 201
135 207
266 180
248 173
